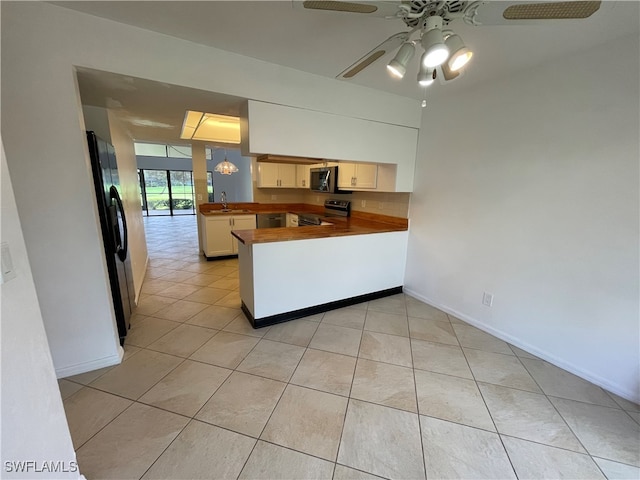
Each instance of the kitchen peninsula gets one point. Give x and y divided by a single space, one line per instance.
288 273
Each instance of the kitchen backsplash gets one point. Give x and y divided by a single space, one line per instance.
278 195
393 204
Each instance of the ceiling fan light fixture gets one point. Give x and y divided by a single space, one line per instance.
398 66
460 54
426 76
436 51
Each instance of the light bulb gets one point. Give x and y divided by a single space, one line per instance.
425 75
435 49
398 66
460 54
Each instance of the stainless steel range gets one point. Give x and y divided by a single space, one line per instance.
332 208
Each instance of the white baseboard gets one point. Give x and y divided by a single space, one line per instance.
92 365
516 342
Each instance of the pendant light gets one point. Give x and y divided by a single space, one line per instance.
225 167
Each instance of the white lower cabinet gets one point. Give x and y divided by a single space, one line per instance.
216 233
358 176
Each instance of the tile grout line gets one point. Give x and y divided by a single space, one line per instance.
559 413
415 390
484 401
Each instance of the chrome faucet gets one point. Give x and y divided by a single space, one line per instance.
223 200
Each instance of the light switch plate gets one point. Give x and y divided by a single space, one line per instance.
7 272
487 299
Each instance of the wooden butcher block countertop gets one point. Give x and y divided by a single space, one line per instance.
359 223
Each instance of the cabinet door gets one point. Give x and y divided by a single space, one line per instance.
287 175
302 176
346 175
218 236
366 175
241 222
268 175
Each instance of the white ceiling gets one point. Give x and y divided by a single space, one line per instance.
325 43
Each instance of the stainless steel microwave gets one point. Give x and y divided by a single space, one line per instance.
324 179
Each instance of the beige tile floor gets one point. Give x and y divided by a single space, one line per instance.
392 388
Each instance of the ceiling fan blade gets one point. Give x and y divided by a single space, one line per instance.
391 43
369 9
533 12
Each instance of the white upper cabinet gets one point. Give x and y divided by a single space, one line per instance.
356 176
283 130
302 176
276 175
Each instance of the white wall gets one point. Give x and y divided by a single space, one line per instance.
96 119
130 193
34 426
237 185
41 44
527 188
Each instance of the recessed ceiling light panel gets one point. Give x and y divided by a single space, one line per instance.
210 127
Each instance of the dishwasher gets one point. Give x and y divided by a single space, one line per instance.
271 220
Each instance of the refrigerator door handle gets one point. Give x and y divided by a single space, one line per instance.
121 249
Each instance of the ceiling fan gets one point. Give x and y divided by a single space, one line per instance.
445 53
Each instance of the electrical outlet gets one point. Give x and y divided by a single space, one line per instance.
363 203
274 197
487 299
317 199
380 205
199 197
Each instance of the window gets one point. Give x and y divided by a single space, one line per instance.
166 151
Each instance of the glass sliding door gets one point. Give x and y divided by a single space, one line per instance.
157 192
182 192
167 192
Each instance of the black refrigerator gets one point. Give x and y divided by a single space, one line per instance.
113 224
